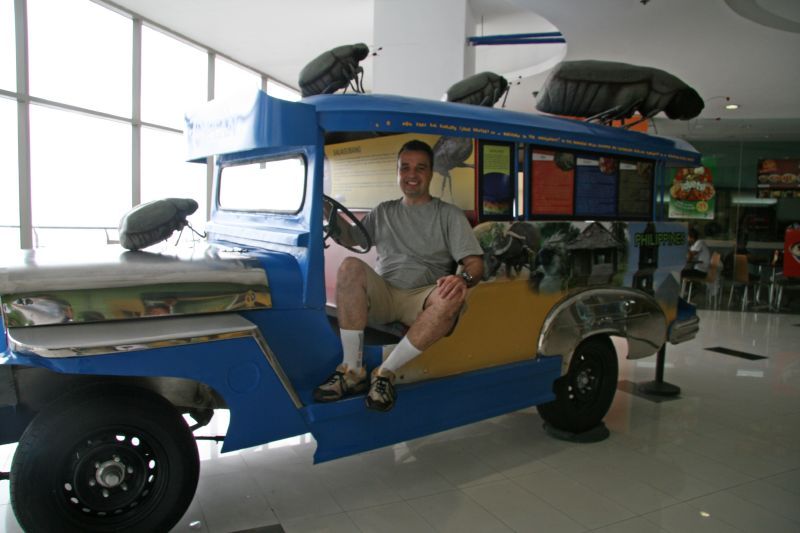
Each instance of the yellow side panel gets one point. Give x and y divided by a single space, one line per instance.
500 325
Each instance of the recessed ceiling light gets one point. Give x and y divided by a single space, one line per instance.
731 106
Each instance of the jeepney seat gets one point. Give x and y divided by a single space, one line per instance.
374 334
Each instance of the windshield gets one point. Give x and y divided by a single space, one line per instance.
274 185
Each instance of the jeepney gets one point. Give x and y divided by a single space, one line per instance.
101 358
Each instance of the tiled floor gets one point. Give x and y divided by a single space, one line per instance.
724 456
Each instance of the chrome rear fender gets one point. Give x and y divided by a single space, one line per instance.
624 312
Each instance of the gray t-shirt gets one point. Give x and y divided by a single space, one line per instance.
418 244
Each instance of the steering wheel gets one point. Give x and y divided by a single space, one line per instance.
336 214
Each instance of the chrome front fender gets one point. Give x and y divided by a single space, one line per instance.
621 311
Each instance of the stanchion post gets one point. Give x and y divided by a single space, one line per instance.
659 387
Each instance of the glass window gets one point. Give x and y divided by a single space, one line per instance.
8 60
231 80
80 54
174 78
80 169
9 180
276 185
277 90
9 238
166 174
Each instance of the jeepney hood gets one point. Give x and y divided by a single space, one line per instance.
40 287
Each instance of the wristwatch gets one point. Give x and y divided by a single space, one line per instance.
468 278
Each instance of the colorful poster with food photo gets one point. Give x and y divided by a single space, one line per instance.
778 178
692 194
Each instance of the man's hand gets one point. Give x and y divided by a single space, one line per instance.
451 287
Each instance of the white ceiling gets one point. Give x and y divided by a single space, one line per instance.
744 50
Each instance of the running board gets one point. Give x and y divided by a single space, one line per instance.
347 427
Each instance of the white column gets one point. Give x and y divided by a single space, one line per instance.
424 46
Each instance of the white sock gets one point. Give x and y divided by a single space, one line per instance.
353 348
402 354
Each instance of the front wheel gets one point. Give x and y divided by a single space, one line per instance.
584 394
104 459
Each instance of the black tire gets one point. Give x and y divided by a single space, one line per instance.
584 394
104 459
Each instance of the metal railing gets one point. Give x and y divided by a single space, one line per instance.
111 233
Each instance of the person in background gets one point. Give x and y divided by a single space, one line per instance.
698 257
419 241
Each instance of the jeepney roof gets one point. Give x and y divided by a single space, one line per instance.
263 122
398 114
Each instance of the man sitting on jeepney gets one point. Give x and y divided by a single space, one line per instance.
419 239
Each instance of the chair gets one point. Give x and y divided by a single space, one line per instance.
766 281
741 278
784 284
711 281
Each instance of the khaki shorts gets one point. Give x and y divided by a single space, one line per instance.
391 304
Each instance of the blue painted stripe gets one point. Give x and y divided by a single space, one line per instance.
485 39
548 40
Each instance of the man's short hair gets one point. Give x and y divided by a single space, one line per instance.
417 146
693 233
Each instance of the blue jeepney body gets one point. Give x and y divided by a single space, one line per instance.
262 360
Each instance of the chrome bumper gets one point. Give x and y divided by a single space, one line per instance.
684 330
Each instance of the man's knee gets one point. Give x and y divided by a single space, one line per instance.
351 270
448 308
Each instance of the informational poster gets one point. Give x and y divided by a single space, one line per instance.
778 178
596 186
497 181
692 194
363 173
553 182
635 189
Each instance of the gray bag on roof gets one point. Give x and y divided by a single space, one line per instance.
484 88
333 70
613 91
153 222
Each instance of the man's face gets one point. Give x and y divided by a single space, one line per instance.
414 174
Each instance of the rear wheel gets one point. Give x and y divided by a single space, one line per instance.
104 459
584 394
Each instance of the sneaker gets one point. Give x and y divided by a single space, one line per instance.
381 394
342 383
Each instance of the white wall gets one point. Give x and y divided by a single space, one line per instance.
423 46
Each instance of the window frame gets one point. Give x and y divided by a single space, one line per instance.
258 160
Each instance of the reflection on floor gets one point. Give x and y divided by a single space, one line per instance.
725 456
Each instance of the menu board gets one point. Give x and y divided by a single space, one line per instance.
553 184
635 189
596 186
496 180
778 178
